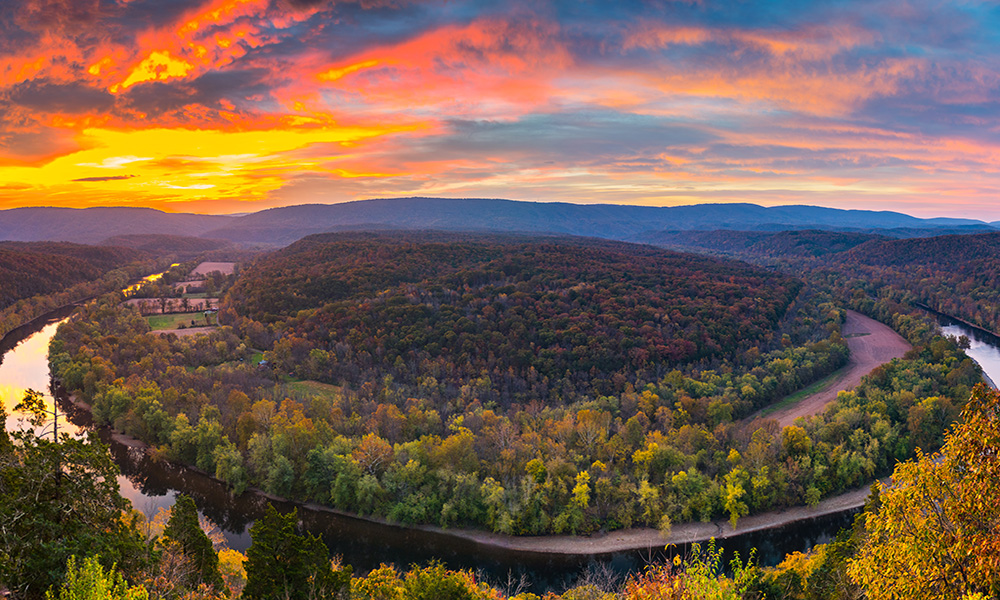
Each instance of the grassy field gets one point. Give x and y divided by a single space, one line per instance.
175 320
313 388
226 268
799 395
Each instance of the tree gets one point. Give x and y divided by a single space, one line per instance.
59 499
434 582
283 564
184 530
936 533
89 581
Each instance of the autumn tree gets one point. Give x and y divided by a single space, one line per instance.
89 580
937 531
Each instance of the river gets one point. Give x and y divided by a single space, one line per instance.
984 347
150 485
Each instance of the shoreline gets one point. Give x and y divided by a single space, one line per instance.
52 315
602 543
623 540
979 328
870 344
982 330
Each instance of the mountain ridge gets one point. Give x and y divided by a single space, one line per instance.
283 225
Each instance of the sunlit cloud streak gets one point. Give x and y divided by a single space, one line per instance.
237 105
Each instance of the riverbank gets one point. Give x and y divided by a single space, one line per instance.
634 539
870 343
994 335
15 335
976 333
681 534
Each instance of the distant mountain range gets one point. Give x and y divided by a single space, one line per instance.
281 226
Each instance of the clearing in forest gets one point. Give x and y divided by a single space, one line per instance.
226 268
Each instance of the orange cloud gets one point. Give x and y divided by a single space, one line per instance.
489 66
158 66
337 73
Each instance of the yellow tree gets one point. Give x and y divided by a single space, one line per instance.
937 531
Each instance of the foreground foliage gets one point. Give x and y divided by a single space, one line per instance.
937 531
59 498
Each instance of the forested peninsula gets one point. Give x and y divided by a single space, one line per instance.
521 385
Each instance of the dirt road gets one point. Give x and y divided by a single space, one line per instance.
871 344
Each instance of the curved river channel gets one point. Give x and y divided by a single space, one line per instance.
151 485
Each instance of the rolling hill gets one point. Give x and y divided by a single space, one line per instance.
282 226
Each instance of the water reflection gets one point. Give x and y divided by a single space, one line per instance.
983 346
147 279
25 365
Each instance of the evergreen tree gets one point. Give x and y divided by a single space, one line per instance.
283 564
59 499
184 530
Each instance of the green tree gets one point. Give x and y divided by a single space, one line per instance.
89 581
936 533
59 499
184 530
283 564
434 582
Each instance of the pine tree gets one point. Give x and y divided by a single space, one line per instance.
184 530
283 564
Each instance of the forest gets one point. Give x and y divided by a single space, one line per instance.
541 320
427 384
954 274
37 278
932 534
526 386
39 268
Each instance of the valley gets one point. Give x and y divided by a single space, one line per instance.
533 395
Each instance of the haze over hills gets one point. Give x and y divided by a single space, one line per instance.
92 225
281 226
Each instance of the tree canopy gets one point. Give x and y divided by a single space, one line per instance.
936 534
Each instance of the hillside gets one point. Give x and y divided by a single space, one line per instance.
282 226
519 309
949 251
29 269
164 243
782 244
91 225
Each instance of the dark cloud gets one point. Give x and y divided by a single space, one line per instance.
167 97
73 98
105 178
570 136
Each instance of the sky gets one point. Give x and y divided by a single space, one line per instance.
224 106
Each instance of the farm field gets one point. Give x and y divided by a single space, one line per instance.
226 268
176 320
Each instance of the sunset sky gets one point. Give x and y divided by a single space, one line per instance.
226 106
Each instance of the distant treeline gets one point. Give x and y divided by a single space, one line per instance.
39 277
